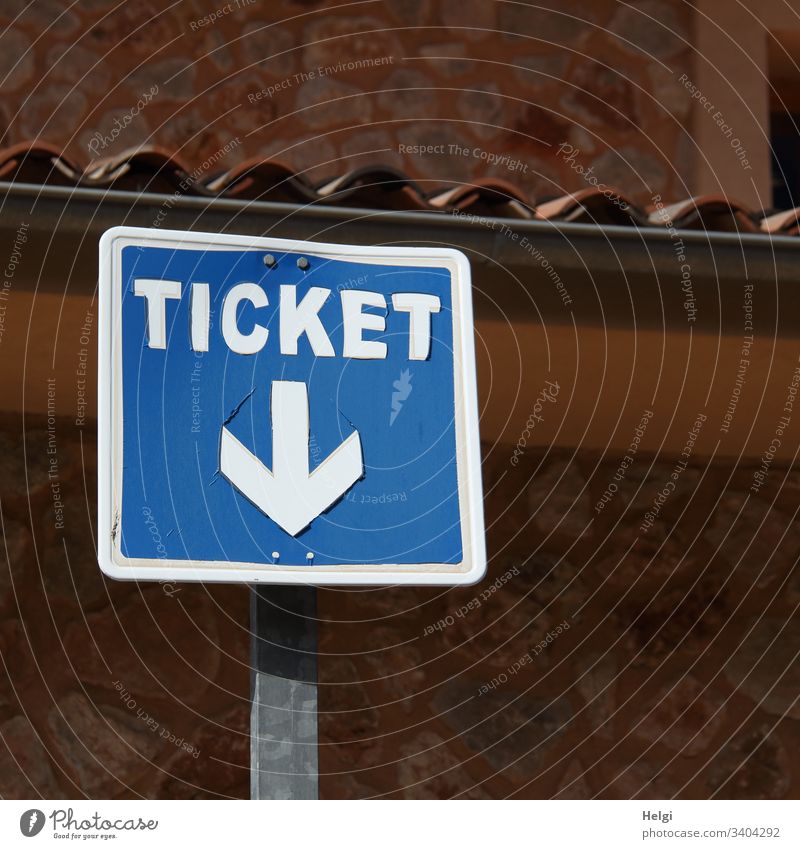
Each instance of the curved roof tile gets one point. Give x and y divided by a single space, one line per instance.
153 169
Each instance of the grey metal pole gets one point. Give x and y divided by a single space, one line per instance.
284 761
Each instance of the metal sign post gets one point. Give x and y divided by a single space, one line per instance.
283 716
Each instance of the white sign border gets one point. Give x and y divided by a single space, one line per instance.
109 411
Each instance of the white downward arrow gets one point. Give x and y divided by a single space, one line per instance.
290 495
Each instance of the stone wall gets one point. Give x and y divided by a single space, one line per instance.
594 660
665 682
107 689
491 88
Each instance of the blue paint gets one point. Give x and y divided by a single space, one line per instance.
405 508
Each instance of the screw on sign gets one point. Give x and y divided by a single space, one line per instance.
225 358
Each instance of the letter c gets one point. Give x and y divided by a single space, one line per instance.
238 342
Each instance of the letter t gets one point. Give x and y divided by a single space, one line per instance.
155 293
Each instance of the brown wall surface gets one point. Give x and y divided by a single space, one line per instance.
677 675
498 79
672 677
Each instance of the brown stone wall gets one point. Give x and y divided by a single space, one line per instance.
674 678
107 689
490 79
596 659
664 681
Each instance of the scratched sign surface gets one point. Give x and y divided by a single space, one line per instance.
287 412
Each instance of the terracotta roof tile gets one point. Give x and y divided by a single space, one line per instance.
37 163
598 206
151 169
707 212
157 170
785 223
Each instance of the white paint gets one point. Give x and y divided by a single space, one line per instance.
289 494
241 343
297 319
419 308
355 322
200 316
156 292
110 421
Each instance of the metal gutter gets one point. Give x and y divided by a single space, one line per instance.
184 204
615 275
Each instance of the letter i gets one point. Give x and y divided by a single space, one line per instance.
200 312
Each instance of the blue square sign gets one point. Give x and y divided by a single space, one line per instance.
286 412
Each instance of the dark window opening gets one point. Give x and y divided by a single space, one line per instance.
783 55
785 154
